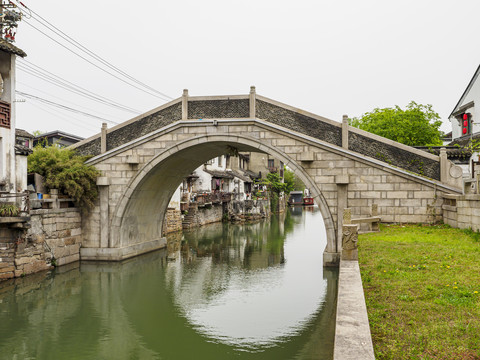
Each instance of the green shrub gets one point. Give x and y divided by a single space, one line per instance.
64 170
7 210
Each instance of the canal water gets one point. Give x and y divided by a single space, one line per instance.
221 291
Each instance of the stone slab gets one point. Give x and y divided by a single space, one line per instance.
353 340
118 254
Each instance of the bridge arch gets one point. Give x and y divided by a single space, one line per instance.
139 214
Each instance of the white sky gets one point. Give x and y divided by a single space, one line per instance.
327 57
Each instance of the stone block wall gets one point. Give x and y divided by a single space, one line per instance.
60 230
462 211
208 215
173 221
19 256
7 253
133 130
393 155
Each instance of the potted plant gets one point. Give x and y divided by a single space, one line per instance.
9 210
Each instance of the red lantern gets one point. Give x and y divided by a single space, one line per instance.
466 123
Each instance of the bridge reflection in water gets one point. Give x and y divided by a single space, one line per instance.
218 292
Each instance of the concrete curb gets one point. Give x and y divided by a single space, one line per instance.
352 333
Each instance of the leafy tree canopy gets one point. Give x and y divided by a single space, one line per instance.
64 170
417 125
274 183
293 181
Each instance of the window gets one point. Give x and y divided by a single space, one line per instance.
220 160
271 163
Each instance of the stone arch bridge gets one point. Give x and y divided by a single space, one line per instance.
143 160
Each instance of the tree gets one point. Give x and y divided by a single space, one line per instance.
64 170
293 181
417 125
274 183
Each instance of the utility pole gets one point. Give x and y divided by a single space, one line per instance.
2 15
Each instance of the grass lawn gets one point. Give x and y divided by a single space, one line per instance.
422 289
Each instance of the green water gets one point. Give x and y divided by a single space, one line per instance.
219 292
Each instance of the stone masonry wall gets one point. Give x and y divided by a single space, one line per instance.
134 130
173 221
60 230
333 134
208 215
19 257
298 122
394 156
401 197
462 211
144 126
275 113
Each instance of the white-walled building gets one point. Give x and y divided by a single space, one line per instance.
465 121
8 173
465 117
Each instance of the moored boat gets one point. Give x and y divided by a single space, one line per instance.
308 200
295 198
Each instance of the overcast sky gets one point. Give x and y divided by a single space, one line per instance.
327 57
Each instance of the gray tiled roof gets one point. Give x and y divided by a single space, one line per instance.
8 47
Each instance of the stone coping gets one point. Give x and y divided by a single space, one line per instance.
125 123
121 253
53 211
274 128
273 102
462 197
14 219
218 97
353 339
352 129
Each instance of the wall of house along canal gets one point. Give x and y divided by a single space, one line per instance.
54 238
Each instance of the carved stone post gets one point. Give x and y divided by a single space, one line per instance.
103 139
349 242
342 202
345 132
252 103
185 104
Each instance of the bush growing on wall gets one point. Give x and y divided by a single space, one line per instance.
64 170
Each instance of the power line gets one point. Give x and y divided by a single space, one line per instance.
89 128
92 54
63 100
47 76
33 97
81 47
97 66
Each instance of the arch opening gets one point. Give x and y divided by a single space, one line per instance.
140 213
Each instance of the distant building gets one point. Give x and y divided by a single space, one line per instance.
465 117
23 139
23 148
57 137
465 120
